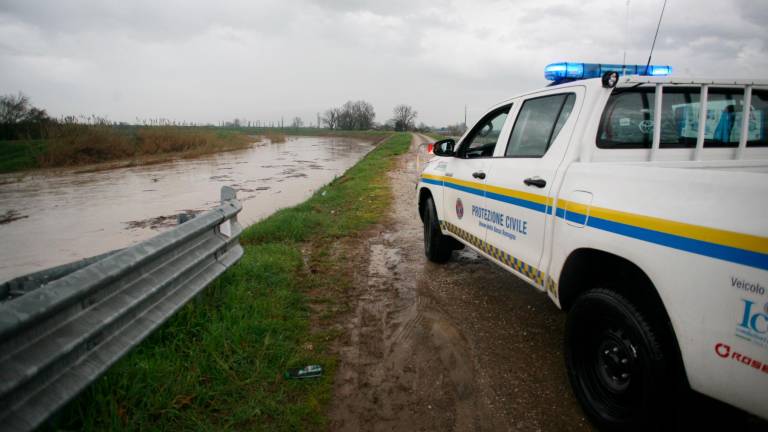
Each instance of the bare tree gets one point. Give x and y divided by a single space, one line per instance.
20 120
353 115
297 123
331 118
13 108
404 117
357 115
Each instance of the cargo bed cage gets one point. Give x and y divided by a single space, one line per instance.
698 153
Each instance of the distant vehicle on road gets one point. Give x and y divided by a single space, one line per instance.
639 203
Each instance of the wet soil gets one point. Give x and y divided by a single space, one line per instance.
459 346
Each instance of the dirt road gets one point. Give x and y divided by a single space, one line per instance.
460 346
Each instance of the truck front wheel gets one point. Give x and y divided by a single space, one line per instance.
616 364
437 247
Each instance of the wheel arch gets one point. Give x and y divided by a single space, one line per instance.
588 268
424 193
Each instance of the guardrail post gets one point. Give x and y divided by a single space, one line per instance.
228 194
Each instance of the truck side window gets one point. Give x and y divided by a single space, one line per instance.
627 121
538 124
481 141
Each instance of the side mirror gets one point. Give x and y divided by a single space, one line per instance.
444 147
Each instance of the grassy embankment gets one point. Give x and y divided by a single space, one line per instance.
20 155
75 144
218 364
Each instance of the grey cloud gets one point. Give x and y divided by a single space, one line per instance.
205 61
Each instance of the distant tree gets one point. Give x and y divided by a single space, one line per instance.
389 125
19 119
331 118
355 115
13 108
423 127
456 129
404 117
297 123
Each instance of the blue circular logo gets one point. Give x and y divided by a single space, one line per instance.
459 208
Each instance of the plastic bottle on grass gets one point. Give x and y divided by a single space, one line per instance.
311 371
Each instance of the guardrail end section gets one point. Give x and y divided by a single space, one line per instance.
228 194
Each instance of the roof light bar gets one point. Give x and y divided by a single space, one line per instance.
560 72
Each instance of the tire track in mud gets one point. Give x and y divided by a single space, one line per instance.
461 346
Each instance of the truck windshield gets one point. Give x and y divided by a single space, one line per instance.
627 121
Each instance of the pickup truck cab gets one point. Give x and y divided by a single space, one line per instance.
653 239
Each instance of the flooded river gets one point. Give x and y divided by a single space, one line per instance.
60 216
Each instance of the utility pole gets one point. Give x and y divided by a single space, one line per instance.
465 116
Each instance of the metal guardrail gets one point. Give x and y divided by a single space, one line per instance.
61 328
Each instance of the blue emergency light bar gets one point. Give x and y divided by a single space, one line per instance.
575 71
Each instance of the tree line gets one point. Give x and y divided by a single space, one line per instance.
19 119
360 115
353 115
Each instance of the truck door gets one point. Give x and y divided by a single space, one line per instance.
520 179
465 175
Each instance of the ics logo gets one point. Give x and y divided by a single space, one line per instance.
459 208
753 323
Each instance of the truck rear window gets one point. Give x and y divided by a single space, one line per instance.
627 121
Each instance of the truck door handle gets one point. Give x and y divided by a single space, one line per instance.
535 181
478 175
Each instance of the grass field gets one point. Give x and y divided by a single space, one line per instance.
218 364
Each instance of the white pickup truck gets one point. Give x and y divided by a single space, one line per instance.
654 239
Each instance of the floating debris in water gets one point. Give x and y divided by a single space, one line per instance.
10 216
160 222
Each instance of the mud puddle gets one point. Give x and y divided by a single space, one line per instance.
461 346
53 217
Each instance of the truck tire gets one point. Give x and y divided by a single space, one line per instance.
437 247
616 364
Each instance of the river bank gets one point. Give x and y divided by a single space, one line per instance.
105 147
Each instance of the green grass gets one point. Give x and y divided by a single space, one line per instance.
19 155
218 364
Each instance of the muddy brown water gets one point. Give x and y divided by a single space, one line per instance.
53 217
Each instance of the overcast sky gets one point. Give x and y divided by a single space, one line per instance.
207 61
